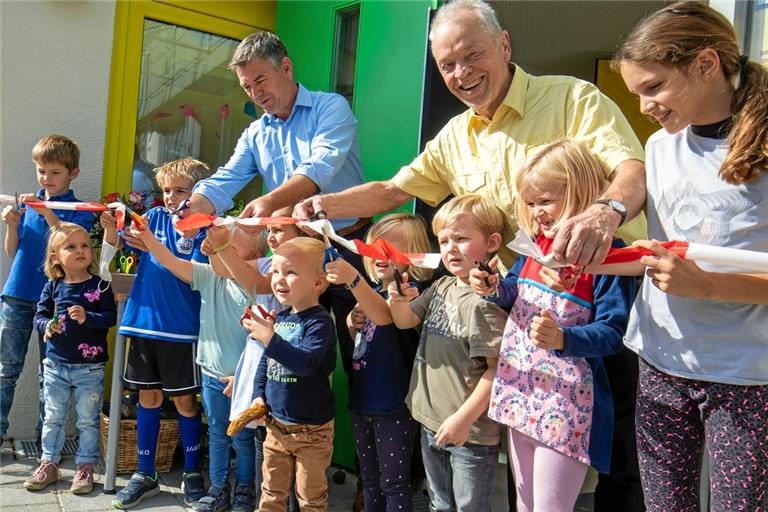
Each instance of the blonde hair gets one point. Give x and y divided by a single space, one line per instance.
566 163
57 149
189 168
58 237
312 250
673 36
413 228
487 216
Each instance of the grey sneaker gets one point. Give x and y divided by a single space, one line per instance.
217 500
46 474
83 482
193 486
140 486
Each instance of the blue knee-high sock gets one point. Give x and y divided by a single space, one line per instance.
189 432
148 428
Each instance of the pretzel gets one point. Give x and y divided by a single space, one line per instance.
254 412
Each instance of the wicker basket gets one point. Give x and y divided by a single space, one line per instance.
127 456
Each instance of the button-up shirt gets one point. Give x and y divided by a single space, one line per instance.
318 140
474 154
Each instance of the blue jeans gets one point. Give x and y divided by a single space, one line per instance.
86 383
16 317
216 407
459 478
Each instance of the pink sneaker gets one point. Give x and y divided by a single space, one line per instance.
45 475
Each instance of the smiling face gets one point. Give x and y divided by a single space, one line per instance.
175 190
545 204
462 243
295 279
54 178
382 268
472 62
74 255
271 89
668 94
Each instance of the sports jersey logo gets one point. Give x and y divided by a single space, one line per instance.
184 245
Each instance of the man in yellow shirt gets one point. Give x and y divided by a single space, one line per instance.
511 113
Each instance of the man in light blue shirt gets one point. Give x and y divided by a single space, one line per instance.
306 141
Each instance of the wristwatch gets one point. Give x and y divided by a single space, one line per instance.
616 206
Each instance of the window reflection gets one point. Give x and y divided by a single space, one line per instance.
345 52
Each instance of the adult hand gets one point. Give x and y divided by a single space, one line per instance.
585 239
77 313
673 274
545 333
11 216
307 208
482 282
197 203
453 431
229 380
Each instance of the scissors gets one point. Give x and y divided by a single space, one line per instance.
18 202
481 265
126 264
331 254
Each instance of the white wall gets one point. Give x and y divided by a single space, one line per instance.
56 58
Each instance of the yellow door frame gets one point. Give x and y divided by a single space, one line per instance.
228 19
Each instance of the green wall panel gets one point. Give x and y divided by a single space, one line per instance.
389 81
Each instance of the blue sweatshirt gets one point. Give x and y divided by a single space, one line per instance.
293 375
77 344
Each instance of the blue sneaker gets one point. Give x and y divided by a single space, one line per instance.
245 498
217 500
140 486
193 486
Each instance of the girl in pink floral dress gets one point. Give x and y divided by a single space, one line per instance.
551 389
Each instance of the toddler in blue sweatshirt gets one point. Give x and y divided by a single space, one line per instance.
293 379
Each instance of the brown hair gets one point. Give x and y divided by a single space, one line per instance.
259 45
58 236
569 164
673 36
57 149
417 240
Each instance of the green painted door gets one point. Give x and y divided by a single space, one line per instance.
388 87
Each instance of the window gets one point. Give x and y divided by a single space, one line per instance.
345 52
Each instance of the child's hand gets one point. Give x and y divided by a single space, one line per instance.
340 271
258 401
230 380
11 216
109 223
409 292
259 328
545 333
453 432
217 237
76 313
551 278
132 237
484 283
53 328
672 274
356 318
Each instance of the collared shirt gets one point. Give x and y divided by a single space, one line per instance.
474 154
318 140
26 279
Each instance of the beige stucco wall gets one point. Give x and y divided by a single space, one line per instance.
56 58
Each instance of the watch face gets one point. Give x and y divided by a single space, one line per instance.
616 205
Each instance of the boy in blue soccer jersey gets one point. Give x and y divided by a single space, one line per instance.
162 319
293 380
57 160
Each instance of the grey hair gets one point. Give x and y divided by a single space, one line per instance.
259 45
484 12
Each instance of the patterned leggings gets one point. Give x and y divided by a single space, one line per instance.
677 418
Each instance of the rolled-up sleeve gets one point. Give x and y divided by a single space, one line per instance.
331 142
229 179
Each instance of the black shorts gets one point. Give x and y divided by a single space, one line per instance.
165 365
